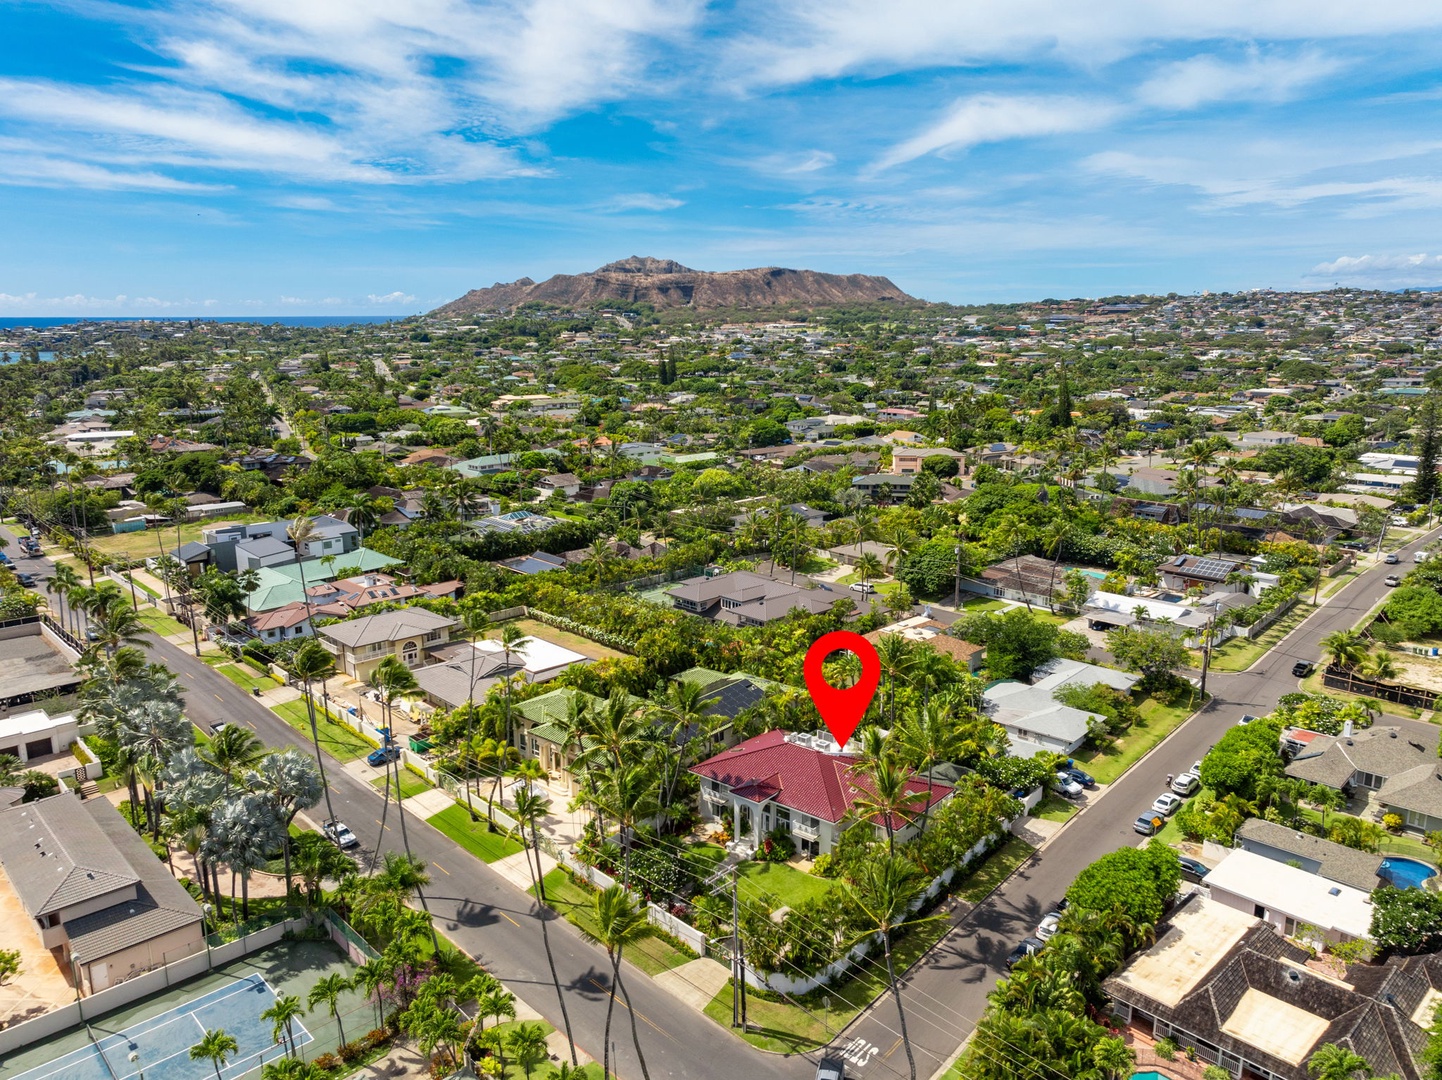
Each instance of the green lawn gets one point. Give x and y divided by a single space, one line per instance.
1053 808
411 784
337 740
776 884
247 678
981 603
1402 844
997 867
1157 722
455 822
159 623
652 955
1240 653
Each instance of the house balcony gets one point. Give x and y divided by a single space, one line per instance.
806 832
718 798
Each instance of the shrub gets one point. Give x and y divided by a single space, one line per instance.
1166 1049
777 847
376 1037
1215 1072
1392 822
326 1062
352 1052
822 866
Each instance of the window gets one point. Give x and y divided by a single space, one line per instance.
1258 911
1369 780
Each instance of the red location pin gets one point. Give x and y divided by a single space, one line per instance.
842 709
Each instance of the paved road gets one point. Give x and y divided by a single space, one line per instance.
943 996
946 995
485 915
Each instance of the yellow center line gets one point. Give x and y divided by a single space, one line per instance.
510 920
441 868
218 697
892 1050
622 1002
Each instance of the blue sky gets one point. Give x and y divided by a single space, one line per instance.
363 156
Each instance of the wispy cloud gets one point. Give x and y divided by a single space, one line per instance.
640 200
989 118
391 299
1201 80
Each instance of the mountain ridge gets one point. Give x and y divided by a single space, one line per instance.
667 284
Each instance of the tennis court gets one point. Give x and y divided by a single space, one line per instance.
162 1043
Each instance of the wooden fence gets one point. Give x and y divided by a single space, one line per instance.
1338 678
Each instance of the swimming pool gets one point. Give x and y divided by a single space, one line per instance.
1148 1076
1405 873
1098 575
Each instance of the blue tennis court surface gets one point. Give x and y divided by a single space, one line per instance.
163 1042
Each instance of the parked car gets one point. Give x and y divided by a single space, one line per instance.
864 587
1065 785
27 581
1193 870
1246 719
1047 928
1086 780
1391 581
383 756
1167 804
1302 668
339 834
831 1069
1399 520
1149 824
1024 948
217 727
1419 556
92 634
1187 783
1391 558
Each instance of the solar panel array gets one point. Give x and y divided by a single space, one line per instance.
1212 567
733 699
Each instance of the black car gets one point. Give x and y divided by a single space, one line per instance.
1086 780
1302 668
1193 870
26 580
1025 947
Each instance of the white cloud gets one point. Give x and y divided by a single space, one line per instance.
1200 80
641 200
994 117
1380 271
391 298
810 39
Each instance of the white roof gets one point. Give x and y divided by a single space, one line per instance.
1305 897
534 654
1198 936
1156 609
35 722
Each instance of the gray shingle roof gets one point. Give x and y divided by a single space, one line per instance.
1383 751
56 855
387 626
1338 863
1418 789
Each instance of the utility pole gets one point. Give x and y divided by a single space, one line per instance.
956 594
738 959
1207 648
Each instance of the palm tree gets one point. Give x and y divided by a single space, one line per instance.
290 1068
528 1044
618 923
231 751
64 583
289 780
896 654
1332 1061
1113 1058
371 977
1379 667
301 532
868 566
885 890
282 1015
513 640
887 798
928 737
1344 648
1053 539
396 683
311 662
528 811
115 622
327 992
215 1046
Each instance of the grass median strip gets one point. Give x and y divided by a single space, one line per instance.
410 784
455 822
337 740
1240 653
1157 722
652 955
248 679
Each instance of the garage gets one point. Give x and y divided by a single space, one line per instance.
39 748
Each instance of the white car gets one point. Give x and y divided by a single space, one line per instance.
1167 804
1186 784
339 834
1067 786
1047 928
863 587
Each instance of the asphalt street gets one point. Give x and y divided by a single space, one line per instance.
943 995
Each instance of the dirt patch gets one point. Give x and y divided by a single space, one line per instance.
584 646
1420 671
41 986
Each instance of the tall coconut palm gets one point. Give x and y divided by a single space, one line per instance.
311 662
627 796
327 992
896 654
883 792
301 532
528 811
885 890
282 1016
64 583
618 923
927 737
233 750
513 643
215 1046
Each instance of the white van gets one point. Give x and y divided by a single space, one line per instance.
1419 556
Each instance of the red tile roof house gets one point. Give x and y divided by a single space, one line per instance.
797 782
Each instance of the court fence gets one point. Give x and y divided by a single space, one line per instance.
170 972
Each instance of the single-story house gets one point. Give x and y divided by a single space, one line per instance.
742 598
1034 720
466 670
1334 862
1400 770
1182 572
802 784
932 634
1288 897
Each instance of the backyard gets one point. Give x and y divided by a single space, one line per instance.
147 543
776 884
574 642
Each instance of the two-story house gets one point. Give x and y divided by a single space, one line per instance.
97 897
409 634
